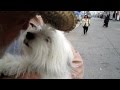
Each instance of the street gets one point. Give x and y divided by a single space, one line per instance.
100 49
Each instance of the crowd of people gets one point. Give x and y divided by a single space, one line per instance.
113 15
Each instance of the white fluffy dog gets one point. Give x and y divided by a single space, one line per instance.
46 52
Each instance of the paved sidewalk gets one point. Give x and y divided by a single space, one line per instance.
100 49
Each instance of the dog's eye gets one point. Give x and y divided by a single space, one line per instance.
32 25
48 39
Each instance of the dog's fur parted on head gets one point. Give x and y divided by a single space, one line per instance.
46 51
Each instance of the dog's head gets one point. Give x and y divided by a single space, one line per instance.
47 43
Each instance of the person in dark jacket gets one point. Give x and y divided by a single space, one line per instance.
106 21
114 16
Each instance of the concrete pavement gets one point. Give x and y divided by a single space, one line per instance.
100 49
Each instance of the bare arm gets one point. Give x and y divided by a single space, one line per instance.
78 66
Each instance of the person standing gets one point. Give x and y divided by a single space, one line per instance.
106 21
114 15
118 16
85 24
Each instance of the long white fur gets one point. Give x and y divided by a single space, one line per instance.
52 59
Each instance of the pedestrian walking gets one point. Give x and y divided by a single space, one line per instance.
114 16
85 24
106 21
118 16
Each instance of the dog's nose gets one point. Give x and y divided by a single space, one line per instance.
30 36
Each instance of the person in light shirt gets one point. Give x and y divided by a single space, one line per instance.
85 24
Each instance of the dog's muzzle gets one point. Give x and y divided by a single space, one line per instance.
29 36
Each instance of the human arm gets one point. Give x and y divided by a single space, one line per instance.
78 66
